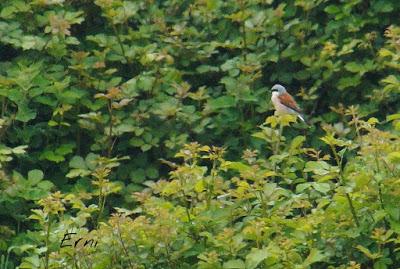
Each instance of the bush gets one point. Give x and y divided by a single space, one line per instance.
100 99
294 209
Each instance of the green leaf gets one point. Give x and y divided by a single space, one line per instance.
314 256
347 82
332 9
199 186
90 160
138 175
221 102
317 167
30 262
52 123
394 157
270 188
255 257
136 142
353 67
297 142
34 176
51 156
393 117
322 187
145 147
382 6
77 162
25 114
383 263
124 128
393 211
368 253
65 149
396 125
206 68
20 149
32 42
241 167
78 172
373 121
234 264
152 172
301 187
146 83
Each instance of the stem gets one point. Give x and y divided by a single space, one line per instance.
244 41
7 258
341 181
307 28
378 169
263 203
275 149
3 106
76 263
242 7
61 118
46 261
279 41
119 42
211 185
356 124
123 245
336 157
102 201
78 134
186 206
242 122
110 140
389 169
278 143
168 256
380 195
353 211
155 82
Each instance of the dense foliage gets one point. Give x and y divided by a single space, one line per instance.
145 127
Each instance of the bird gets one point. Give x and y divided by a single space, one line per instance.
284 103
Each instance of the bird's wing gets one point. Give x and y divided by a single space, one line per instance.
287 100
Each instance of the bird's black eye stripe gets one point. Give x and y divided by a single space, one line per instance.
274 90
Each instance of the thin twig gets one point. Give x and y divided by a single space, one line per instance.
341 181
120 42
123 244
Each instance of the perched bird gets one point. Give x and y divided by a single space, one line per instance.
284 102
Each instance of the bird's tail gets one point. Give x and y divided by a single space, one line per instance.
303 119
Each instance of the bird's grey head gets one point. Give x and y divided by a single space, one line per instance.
278 88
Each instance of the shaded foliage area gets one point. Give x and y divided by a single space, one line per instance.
98 98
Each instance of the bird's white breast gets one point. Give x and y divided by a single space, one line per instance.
279 108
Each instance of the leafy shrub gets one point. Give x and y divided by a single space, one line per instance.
98 97
294 209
